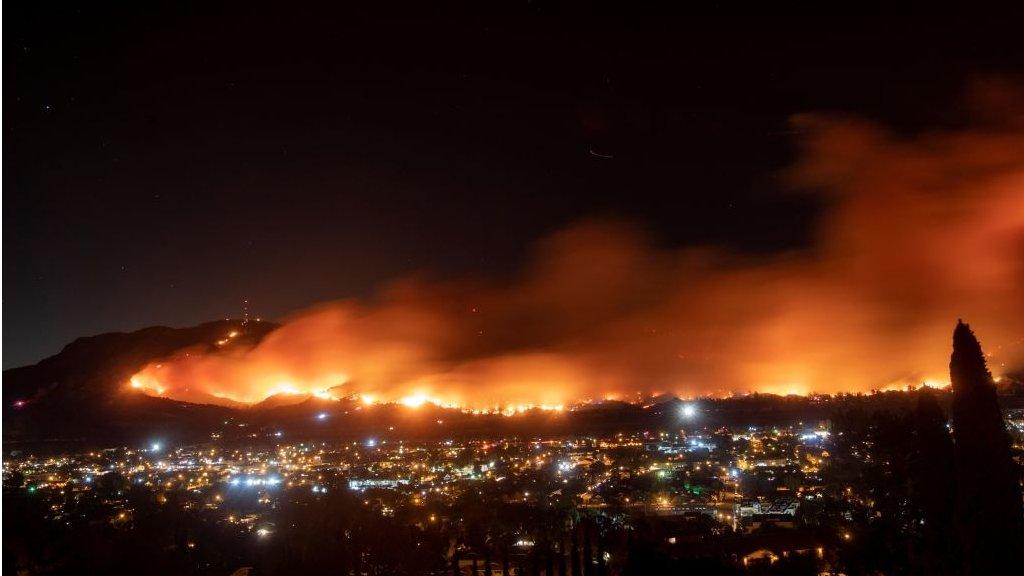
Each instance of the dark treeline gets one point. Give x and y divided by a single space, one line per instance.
946 491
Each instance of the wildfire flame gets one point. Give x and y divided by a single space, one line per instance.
919 231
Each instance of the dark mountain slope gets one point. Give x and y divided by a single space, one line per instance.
81 392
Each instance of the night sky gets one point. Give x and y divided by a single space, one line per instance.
164 164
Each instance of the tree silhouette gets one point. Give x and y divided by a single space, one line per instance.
932 488
989 502
562 568
575 552
588 567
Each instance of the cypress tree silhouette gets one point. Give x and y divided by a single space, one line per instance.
357 553
561 556
588 566
575 552
989 503
932 488
344 554
549 560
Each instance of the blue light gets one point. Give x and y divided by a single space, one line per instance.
371 442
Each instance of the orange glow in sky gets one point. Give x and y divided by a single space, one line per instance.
919 231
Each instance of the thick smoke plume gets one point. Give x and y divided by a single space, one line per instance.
919 231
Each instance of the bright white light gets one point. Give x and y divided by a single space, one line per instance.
689 411
263 532
370 443
155 447
321 416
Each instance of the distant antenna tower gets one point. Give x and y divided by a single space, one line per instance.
245 311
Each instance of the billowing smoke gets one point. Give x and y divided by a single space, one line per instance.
919 231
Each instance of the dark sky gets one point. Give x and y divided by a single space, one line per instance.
163 164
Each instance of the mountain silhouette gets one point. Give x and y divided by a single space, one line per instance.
81 392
